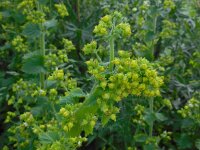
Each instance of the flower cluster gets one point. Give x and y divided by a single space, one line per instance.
169 4
68 114
63 80
77 140
130 77
139 116
90 48
140 21
67 122
57 75
62 10
63 143
36 16
140 47
137 76
54 59
26 5
125 29
73 121
26 122
19 44
68 45
191 110
145 5
28 125
169 29
106 28
57 57
194 61
9 116
21 89
166 58
102 28
27 118
167 103
166 136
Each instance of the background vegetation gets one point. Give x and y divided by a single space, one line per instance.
101 74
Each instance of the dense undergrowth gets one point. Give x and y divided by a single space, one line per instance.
106 74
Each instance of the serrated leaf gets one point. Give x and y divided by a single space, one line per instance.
29 55
50 23
197 144
48 138
31 30
160 117
33 64
70 99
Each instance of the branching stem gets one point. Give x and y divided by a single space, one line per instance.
112 53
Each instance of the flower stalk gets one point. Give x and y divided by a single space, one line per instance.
151 101
42 53
112 53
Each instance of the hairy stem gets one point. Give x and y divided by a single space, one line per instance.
42 52
112 53
151 111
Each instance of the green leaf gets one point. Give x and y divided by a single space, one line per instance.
197 144
31 30
48 138
150 117
75 93
184 141
12 73
88 107
149 36
50 23
140 138
186 123
105 120
33 64
149 147
42 104
160 117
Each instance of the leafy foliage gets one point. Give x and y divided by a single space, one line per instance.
99 74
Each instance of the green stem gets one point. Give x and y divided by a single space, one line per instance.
151 111
98 57
153 41
42 52
112 53
78 10
42 48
